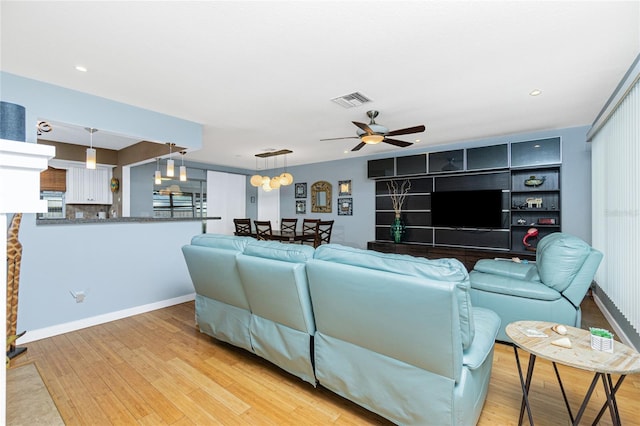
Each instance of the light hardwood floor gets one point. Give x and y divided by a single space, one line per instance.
157 369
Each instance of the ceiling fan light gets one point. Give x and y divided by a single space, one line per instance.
372 139
256 180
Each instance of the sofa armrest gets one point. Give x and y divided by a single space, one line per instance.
506 268
487 324
511 286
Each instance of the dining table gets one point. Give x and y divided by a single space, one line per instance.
288 236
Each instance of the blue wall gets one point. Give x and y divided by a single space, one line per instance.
55 103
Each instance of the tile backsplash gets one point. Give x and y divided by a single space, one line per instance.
88 211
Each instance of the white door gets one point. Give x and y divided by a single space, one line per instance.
269 207
226 197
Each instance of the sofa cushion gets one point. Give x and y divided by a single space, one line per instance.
226 242
507 268
559 258
296 253
506 285
450 270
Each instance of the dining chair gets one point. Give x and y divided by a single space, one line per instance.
309 227
263 229
288 225
243 227
323 232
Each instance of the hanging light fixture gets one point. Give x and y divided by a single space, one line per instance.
158 175
183 169
256 180
91 152
275 182
170 168
286 178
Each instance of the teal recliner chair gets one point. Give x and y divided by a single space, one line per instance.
551 289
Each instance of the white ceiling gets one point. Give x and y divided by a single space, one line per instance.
260 75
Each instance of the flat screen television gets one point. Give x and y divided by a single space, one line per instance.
467 209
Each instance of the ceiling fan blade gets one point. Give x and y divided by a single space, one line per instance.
364 127
397 142
357 147
335 139
415 129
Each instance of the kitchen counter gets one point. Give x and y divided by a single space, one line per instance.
122 220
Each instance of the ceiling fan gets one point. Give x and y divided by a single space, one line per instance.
374 133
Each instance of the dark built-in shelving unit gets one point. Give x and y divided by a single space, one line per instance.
525 172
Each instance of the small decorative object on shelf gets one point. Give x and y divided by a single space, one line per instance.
531 233
601 339
115 184
534 181
398 195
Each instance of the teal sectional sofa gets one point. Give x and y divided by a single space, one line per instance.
392 333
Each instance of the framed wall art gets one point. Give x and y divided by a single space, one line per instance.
301 206
345 206
344 188
301 190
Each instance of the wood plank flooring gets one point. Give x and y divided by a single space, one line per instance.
158 369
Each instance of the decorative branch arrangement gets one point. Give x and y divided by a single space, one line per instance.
398 194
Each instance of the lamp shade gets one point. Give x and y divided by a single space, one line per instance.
266 187
286 178
274 183
158 177
91 158
372 139
170 168
256 180
183 174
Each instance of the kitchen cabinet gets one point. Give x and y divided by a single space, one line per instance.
88 186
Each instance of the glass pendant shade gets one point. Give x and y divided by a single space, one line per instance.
170 168
158 177
256 180
274 183
91 158
286 178
372 139
183 174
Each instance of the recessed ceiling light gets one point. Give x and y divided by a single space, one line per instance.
345 152
417 140
81 68
535 92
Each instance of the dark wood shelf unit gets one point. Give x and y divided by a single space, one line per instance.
504 167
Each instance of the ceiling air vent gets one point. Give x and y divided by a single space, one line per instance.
351 100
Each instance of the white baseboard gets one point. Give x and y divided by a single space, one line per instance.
616 328
43 333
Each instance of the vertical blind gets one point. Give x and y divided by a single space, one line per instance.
616 199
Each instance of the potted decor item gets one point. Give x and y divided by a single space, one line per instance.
12 119
601 339
398 194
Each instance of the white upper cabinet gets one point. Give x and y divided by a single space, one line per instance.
88 186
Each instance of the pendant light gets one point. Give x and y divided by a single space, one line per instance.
170 168
286 178
158 175
256 180
183 169
91 152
